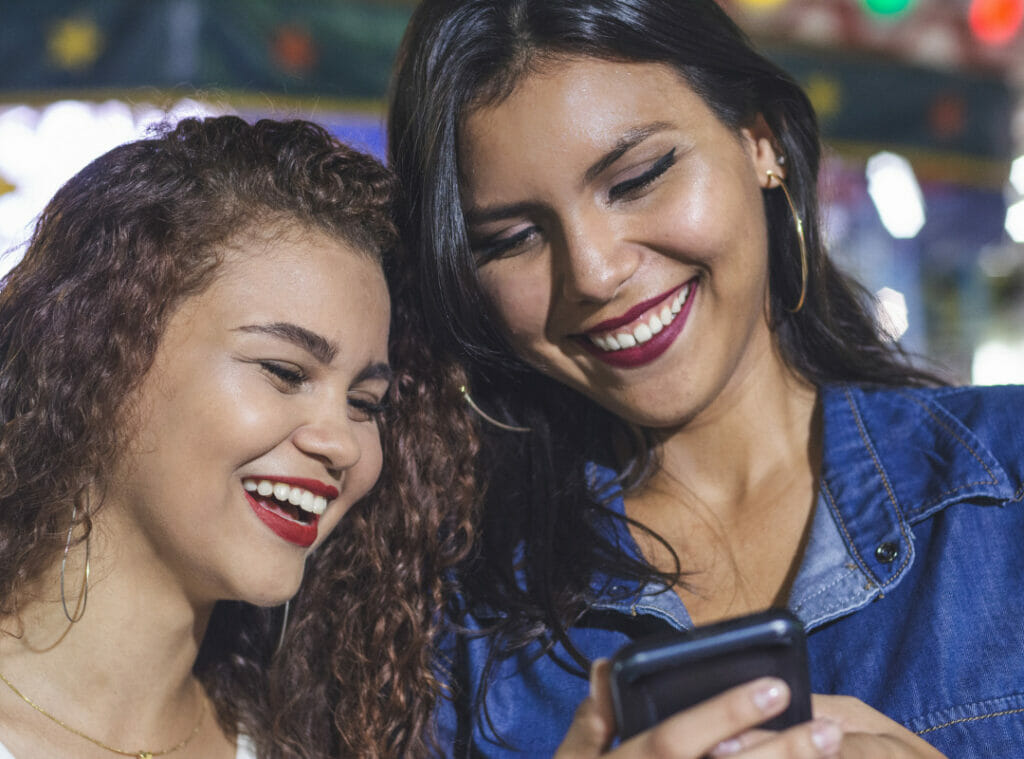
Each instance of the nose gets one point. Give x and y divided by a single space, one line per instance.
331 439
594 261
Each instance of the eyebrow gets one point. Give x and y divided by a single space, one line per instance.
322 349
627 142
378 371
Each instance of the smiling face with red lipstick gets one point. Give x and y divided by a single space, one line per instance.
620 233
258 418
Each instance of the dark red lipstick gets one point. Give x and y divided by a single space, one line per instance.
300 533
270 512
643 353
633 313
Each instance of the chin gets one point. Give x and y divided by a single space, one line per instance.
273 591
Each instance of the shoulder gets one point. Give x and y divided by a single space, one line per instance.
991 414
931 446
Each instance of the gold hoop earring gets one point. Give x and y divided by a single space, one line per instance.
284 625
83 593
487 417
799 225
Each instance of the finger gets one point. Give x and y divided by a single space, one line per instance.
817 739
742 741
698 730
856 717
601 692
588 734
593 725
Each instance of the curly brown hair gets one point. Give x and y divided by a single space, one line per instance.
113 255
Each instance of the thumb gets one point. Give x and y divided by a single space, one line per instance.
593 724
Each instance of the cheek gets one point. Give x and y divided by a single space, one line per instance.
371 460
521 300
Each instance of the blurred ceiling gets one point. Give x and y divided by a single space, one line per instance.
916 77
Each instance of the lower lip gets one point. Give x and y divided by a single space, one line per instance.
294 532
645 353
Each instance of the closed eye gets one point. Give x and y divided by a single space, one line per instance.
633 185
366 408
499 247
286 374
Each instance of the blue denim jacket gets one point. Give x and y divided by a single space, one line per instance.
911 587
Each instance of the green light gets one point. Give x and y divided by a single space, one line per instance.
888 7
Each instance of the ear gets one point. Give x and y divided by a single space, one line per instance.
760 142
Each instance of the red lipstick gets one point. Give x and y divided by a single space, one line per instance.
632 314
313 486
300 533
643 353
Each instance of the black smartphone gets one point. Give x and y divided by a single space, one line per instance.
654 678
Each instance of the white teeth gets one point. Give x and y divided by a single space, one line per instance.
304 499
645 330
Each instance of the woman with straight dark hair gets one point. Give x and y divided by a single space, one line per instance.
201 552
688 412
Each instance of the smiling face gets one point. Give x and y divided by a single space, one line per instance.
620 233
256 427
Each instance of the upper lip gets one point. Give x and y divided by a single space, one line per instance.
316 487
631 314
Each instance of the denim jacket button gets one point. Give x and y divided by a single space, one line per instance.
887 552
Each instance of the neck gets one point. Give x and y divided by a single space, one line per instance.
762 425
734 493
126 664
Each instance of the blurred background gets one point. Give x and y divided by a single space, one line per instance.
921 104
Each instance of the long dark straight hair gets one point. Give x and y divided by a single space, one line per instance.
539 547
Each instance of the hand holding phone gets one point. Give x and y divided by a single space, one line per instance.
657 677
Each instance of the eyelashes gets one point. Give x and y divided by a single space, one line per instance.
362 409
635 184
488 250
365 410
292 377
492 248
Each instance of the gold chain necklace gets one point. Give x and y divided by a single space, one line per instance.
101 744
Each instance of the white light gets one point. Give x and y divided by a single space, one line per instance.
891 314
1015 221
40 149
998 362
896 194
1017 174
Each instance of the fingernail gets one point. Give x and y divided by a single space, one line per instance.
769 695
826 735
731 746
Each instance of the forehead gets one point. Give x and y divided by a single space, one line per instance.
288 274
565 104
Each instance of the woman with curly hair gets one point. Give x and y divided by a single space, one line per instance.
201 552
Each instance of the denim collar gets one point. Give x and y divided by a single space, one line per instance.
891 458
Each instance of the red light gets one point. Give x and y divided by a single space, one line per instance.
995 22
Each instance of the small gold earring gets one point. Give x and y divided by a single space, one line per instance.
799 225
487 417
